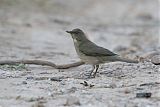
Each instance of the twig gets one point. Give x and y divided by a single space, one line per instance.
41 62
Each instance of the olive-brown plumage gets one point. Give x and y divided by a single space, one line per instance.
92 54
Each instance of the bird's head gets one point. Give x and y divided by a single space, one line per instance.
78 34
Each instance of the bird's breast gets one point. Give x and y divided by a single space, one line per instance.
83 57
76 45
74 40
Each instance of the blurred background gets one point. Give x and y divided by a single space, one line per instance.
35 29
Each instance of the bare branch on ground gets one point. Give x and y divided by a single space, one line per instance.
41 62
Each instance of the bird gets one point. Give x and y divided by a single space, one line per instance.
92 54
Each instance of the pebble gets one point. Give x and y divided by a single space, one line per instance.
55 79
127 91
29 78
143 95
24 82
156 59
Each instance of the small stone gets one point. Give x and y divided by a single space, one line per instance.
55 79
156 59
72 100
140 88
41 78
127 91
29 78
24 82
143 95
149 72
18 97
85 83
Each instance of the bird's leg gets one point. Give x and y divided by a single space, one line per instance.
92 71
96 69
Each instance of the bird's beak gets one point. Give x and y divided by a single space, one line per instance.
69 32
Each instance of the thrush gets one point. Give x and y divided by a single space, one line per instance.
92 54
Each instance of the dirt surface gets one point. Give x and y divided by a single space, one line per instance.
35 29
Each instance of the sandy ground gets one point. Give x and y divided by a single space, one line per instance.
35 29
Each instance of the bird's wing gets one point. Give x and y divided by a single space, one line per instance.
92 49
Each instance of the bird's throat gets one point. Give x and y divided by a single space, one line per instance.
74 40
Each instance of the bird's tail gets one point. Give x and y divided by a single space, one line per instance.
126 60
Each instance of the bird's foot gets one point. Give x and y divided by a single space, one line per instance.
89 74
94 75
